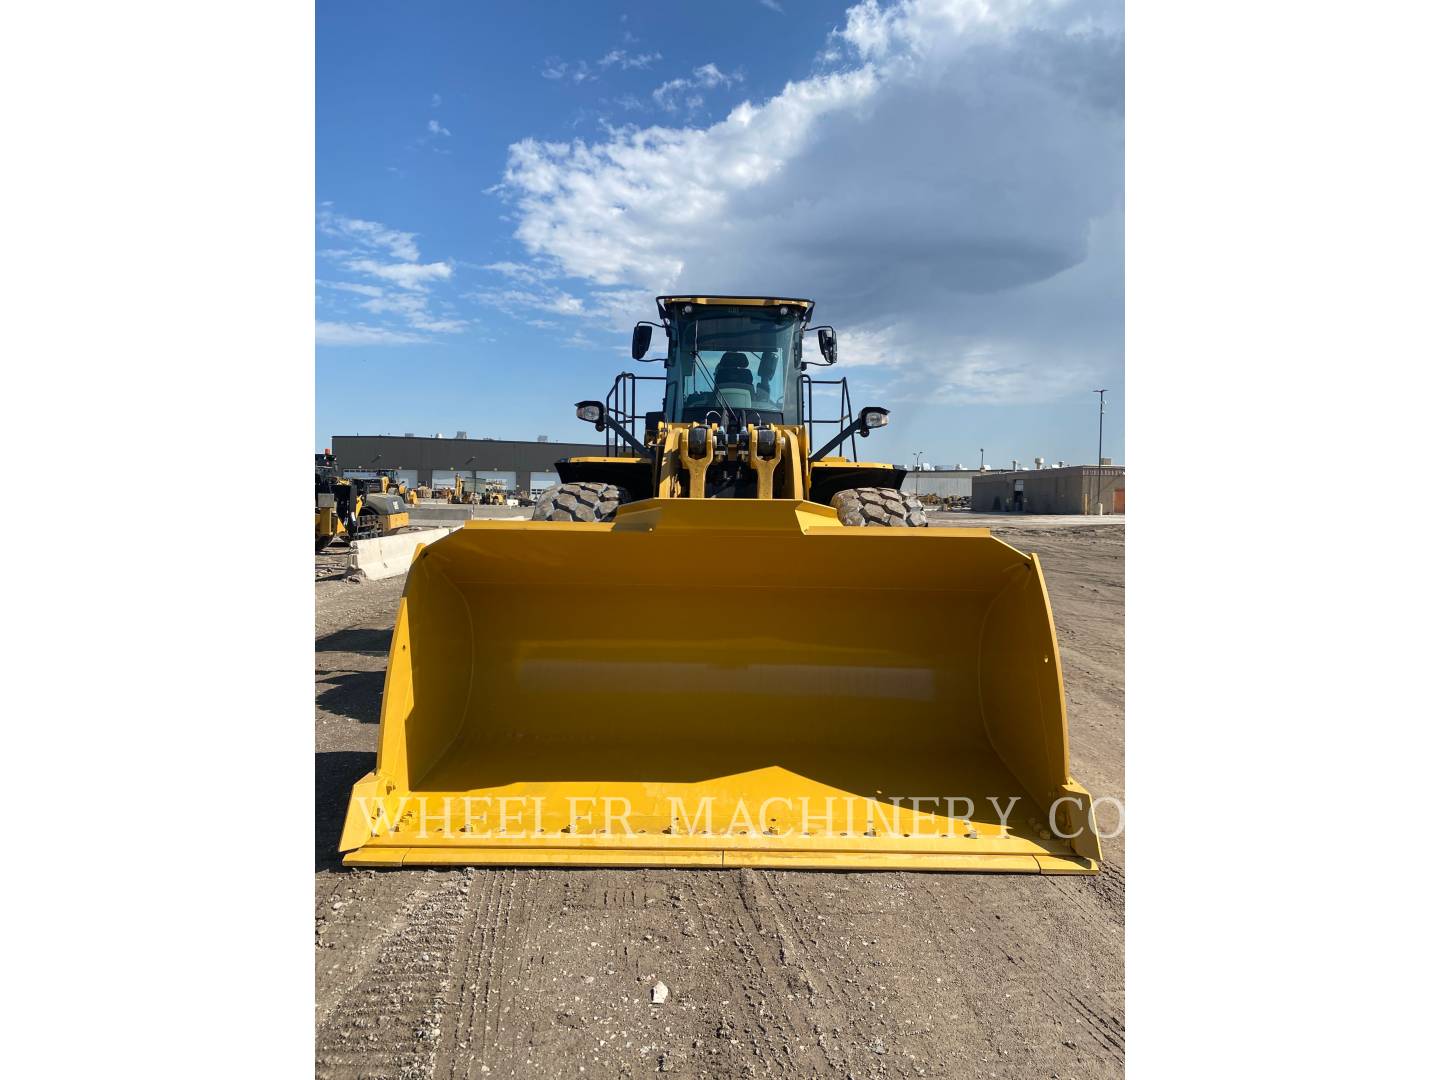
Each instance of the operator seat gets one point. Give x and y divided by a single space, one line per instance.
733 380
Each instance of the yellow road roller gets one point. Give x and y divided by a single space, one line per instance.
355 508
725 643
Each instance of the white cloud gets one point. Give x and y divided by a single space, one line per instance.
369 234
710 75
546 298
580 71
434 101
949 191
402 299
562 69
626 61
773 5
578 340
395 303
354 287
413 307
526 272
412 275
332 333
439 326
435 128
669 95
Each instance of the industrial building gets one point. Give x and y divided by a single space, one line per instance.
942 483
1073 489
436 462
530 466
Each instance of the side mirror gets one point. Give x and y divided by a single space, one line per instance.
592 412
640 341
828 346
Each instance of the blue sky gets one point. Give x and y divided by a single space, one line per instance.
501 188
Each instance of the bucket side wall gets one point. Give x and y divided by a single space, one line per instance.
1021 688
428 680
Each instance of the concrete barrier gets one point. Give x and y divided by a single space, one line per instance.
390 556
441 514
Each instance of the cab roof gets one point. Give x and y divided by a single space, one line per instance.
665 302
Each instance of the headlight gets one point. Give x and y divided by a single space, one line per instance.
873 418
590 411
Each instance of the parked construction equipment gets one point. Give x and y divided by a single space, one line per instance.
391 484
354 507
335 502
722 645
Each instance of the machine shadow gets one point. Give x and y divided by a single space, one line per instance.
335 774
353 640
356 694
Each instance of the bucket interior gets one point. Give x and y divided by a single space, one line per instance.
739 665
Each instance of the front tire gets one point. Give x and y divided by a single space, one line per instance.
580 502
367 525
870 507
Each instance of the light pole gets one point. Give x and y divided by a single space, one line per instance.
916 471
982 459
1099 450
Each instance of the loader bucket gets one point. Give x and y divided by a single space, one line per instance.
723 683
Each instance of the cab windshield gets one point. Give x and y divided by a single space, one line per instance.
735 361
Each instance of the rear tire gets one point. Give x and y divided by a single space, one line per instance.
580 502
870 507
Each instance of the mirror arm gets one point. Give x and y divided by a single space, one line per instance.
850 429
635 444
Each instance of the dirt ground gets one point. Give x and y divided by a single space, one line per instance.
548 972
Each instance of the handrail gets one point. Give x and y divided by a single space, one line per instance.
622 403
807 403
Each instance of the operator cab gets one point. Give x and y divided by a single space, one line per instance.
733 360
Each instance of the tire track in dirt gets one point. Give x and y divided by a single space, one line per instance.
1107 889
1026 966
861 1024
514 1024
1108 1033
776 954
389 1023
945 939
471 986
471 1044
765 1026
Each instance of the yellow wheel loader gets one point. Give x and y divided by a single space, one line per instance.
721 644
390 484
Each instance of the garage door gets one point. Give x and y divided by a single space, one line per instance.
539 481
408 477
443 478
508 477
